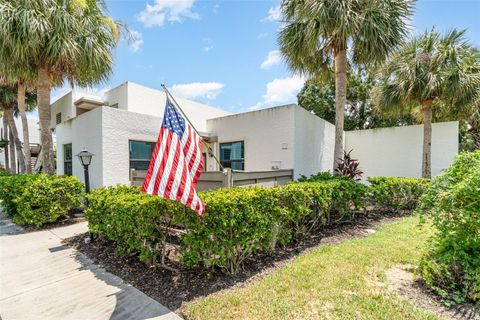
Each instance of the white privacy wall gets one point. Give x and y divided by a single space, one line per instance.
268 137
314 143
85 131
398 151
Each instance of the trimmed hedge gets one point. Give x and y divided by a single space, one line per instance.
12 187
39 199
237 223
451 266
392 193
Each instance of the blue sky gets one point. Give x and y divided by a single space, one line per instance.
223 53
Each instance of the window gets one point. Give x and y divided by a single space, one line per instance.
232 155
67 159
58 118
140 154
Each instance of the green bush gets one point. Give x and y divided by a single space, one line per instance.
46 198
11 187
452 265
133 220
237 222
4 172
392 193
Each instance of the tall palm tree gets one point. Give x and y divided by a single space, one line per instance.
431 72
64 40
320 34
22 77
8 102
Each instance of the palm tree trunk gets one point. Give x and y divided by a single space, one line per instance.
26 139
11 151
43 100
5 137
8 113
340 55
427 142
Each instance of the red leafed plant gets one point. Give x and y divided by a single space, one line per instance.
348 167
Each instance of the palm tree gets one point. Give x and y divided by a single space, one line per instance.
322 33
63 40
8 102
20 76
432 72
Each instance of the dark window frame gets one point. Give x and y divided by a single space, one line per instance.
132 163
228 163
67 163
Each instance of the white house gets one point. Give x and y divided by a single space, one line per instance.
121 129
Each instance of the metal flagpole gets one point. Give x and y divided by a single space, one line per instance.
181 110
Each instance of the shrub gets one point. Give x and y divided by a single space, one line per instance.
237 222
348 167
46 198
321 176
4 172
133 220
392 193
452 265
11 187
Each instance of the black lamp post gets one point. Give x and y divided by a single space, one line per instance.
86 158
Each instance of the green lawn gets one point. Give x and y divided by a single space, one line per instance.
341 281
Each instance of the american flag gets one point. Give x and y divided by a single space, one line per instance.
177 161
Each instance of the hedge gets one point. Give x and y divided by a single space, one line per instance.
38 199
393 193
451 267
237 223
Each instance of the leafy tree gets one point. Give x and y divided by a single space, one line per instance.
62 40
320 34
431 72
319 97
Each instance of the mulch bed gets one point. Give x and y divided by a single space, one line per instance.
172 289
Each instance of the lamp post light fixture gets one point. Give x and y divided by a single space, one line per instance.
86 158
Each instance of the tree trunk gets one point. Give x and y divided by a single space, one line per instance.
44 115
8 113
26 139
340 102
427 142
11 151
5 137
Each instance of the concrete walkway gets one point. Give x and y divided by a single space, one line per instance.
42 279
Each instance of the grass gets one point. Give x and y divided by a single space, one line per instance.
343 281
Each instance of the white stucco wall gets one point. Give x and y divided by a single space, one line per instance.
63 105
85 131
137 98
314 143
398 151
268 136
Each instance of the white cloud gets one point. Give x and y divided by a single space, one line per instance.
281 91
136 40
196 90
167 10
273 58
274 14
215 8
207 48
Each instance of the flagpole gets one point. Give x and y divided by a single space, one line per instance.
186 117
